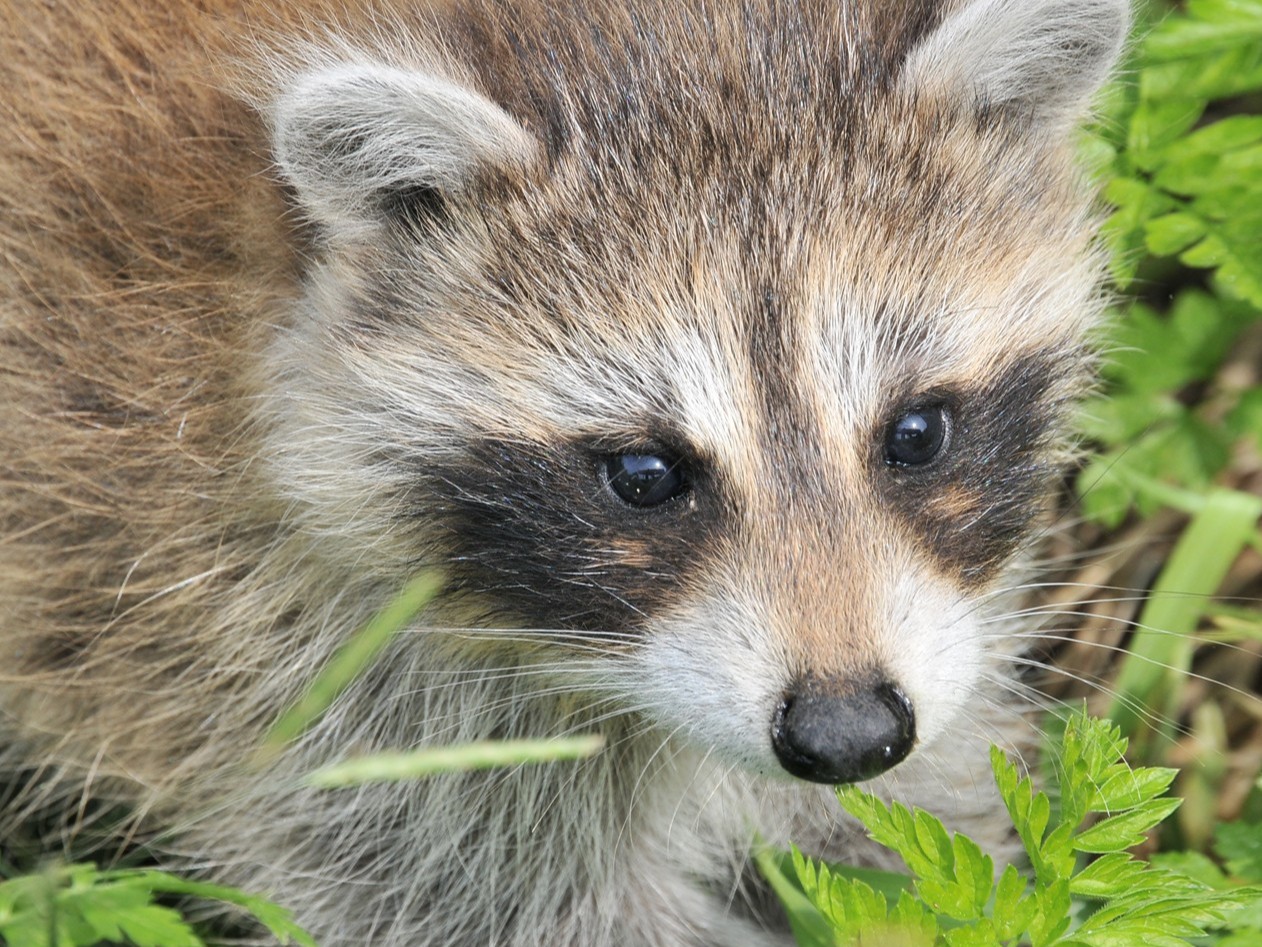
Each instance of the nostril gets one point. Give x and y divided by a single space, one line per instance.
831 737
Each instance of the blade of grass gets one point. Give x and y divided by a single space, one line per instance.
351 661
1160 652
392 767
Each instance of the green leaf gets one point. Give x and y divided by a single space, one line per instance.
1126 830
1194 865
1210 28
810 927
1235 248
1125 788
1014 908
981 934
1124 231
1110 876
914 921
1240 844
276 919
1229 134
1028 810
1171 233
1245 419
1051 917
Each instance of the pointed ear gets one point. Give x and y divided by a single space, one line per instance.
362 143
1041 58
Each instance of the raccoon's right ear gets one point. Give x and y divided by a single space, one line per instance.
1041 59
362 143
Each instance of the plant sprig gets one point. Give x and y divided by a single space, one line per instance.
954 898
80 905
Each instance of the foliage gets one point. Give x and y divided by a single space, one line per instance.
1103 807
1181 155
79 906
1238 846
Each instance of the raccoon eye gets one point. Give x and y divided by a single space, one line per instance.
645 479
917 436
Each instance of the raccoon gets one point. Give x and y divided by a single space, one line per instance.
718 354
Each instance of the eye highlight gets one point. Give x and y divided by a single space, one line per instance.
918 435
645 480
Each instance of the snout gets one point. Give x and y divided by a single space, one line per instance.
842 733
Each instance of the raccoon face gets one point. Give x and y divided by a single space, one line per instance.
761 406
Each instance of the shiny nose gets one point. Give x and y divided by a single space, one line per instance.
827 737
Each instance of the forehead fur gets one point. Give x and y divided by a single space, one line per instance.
724 176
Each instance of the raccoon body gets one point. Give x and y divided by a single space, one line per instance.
719 355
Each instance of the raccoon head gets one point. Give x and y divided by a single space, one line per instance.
740 363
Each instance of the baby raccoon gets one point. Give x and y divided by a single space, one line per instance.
717 353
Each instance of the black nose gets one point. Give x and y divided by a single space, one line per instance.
828 737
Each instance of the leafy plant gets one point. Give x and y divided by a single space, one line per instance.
1238 846
1181 154
80 906
1103 807
1178 422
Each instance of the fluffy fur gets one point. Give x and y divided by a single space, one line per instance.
296 301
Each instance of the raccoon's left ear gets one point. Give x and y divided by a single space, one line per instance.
1041 58
362 143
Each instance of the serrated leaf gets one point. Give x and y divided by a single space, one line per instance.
1051 916
1235 249
1137 202
1029 811
854 907
974 872
1126 830
1161 915
1205 78
1126 788
914 920
1057 855
981 934
917 837
1110 876
278 920
810 927
935 843
1013 909
1158 121
156 926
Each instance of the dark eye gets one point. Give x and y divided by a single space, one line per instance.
917 436
645 479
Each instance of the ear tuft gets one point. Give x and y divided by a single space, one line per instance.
361 144
1042 58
